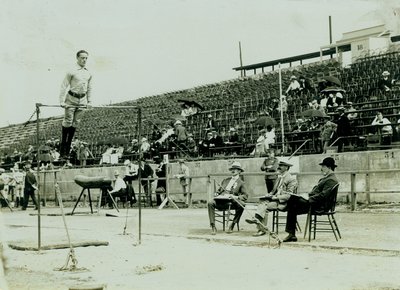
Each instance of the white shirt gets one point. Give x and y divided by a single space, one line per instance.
119 184
79 81
131 169
231 183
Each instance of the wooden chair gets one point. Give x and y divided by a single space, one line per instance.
313 225
276 223
224 214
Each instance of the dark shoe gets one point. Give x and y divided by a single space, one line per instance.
259 234
24 208
213 230
230 228
252 221
290 238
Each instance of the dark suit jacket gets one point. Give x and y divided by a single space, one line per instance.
238 189
146 172
343 126
320 194
270 165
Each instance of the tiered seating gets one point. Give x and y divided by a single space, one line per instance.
233 103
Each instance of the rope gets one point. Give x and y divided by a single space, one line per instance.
71 255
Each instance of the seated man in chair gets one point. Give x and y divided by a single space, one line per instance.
233 190
319 198
119 189
285 186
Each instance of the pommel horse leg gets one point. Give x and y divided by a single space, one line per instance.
79 198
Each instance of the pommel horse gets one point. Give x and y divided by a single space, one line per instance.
86 182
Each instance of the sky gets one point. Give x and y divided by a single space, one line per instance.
140 48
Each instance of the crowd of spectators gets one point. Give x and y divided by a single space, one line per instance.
337 121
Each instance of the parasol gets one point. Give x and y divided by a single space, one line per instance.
333 90
191 102
264 121
117 140
334 80
313 113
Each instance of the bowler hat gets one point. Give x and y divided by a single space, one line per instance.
116 172
282 163
329 162
236 165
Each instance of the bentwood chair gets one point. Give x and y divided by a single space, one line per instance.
313 225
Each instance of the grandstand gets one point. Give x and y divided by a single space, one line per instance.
234 103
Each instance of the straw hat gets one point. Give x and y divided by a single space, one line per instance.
236 165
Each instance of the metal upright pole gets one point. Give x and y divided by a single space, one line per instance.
139 119
240 58
280 99
38 172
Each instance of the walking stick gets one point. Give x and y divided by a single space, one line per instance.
264 227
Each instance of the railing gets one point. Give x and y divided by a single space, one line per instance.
302 145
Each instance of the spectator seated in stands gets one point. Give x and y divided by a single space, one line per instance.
133 149
335 100
284 105
191 145
188 110
210 125
83 153
145 148
305 85
55 155
233 140
294 86
270 135
217 141
206 144
110 155
384 128
156 134
386 82
262 144
323 102
351 111
398 129
316 106
119 189
44 156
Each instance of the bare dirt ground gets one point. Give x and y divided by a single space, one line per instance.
178 252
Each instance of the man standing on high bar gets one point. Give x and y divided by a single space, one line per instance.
75 92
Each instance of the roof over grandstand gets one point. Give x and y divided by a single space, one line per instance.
342 45
291 59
